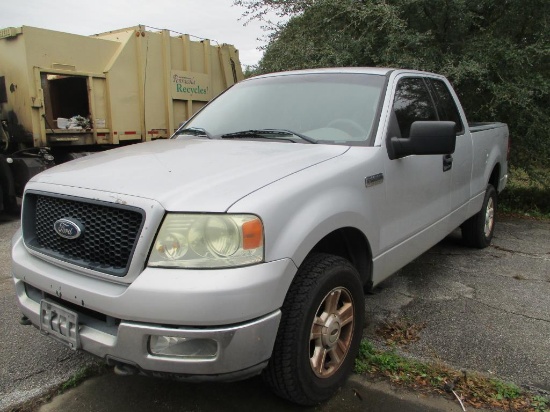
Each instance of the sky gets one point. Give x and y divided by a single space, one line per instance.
211 19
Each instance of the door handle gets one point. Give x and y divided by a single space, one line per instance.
447 162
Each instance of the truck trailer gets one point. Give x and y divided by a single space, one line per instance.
63 95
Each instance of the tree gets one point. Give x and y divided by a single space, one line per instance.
495 52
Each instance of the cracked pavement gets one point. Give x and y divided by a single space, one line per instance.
485 310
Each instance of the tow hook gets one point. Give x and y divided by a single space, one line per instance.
25 321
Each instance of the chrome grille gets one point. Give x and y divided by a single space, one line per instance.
109 236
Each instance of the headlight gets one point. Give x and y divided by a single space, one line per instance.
208 241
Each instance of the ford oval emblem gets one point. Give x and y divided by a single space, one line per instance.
68 228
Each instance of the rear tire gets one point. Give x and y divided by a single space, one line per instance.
320 331
478 230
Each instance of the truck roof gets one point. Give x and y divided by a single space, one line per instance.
360 70
380 71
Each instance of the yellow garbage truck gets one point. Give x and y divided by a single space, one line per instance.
64 95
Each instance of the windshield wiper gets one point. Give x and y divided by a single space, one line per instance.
267 134
194 131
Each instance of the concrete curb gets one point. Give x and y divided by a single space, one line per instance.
138 393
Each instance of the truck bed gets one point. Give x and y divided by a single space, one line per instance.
480 126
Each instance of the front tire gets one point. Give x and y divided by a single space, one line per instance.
320 331
478 230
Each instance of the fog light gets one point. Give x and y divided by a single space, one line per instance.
182 347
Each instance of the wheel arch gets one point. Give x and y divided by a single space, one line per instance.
351 244
494 177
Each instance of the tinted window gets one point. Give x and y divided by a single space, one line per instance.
446 105
412 102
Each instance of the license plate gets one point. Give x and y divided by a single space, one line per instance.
59 323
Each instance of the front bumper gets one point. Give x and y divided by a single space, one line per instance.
237 308
242 349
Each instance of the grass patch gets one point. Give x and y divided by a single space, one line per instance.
527 193
81 375
477 390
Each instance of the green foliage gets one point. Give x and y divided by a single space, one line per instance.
81 375
527 195
259 9
504 390
250 71
496 53
540 404
398 367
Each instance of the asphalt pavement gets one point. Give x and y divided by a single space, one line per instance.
485 310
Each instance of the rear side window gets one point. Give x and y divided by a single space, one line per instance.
412 102
446 105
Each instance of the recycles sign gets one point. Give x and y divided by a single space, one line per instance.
190 86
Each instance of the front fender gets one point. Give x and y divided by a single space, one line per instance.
303 208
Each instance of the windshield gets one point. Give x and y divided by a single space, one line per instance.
335 108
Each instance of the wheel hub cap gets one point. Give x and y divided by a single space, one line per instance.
331 331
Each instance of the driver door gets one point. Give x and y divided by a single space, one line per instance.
417 186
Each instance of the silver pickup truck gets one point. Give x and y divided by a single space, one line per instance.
244 244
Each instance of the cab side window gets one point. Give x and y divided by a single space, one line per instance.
446 105
412 102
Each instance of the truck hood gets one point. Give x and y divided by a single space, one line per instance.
189 175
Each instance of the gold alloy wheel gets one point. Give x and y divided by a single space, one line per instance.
331 332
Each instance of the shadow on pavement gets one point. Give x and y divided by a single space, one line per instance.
139 394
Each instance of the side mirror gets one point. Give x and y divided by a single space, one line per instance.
425 138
